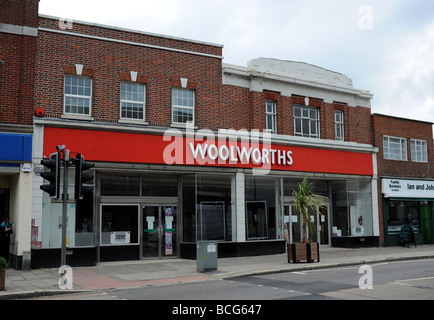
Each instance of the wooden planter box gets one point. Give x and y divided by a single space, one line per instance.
303 252
2 279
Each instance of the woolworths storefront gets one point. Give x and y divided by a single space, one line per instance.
159 192
408 202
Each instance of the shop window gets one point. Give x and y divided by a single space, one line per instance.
207 207
211 220
132 101
306 122
84 229
352 208
270 116
182 106
402 213
395 148
159 186
261 220
188 208
214 207
77 95
119 224
256 220
120 185
80 217
418 150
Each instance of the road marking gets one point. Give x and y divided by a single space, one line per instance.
299 272
416 279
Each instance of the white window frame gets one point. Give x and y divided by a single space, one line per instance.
186 107
77 96
270 113
398 155
307 120
419 150
133 102
339 125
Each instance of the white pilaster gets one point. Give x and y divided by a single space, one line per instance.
240 207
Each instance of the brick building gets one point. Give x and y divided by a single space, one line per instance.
186 147
18 38
406 191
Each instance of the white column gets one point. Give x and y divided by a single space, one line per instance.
240 207
21 211
374 186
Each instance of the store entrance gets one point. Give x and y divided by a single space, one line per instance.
320 218
159 231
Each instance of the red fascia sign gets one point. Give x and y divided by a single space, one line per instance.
109 146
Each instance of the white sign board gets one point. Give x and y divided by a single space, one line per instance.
120 237
399 188
211 248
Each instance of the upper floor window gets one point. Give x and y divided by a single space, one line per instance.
306 122
78 95
132 101
270 116
182 105
395 148
339 125
419 151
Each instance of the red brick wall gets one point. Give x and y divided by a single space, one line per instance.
108 60
357 120
17 69
235 108
19 12
216 105
403 128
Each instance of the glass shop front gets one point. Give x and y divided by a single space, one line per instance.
141 208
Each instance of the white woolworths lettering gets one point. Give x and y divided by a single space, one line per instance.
244 155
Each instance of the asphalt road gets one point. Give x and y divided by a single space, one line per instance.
403 280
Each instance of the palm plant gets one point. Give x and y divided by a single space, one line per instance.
3 263
305 200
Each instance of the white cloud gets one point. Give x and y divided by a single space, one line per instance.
408 84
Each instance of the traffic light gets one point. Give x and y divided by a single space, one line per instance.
82 177
53 176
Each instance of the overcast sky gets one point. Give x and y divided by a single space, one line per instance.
384 46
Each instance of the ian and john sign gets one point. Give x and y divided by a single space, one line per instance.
398 188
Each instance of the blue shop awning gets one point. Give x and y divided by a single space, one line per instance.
15 147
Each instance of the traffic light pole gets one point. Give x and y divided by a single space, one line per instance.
53 176
65 206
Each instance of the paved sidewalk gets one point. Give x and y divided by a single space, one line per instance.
129 274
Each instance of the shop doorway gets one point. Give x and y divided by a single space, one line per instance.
159 231
321 219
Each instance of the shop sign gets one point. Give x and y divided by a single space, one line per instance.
400 188
240 154
120 237
202 148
